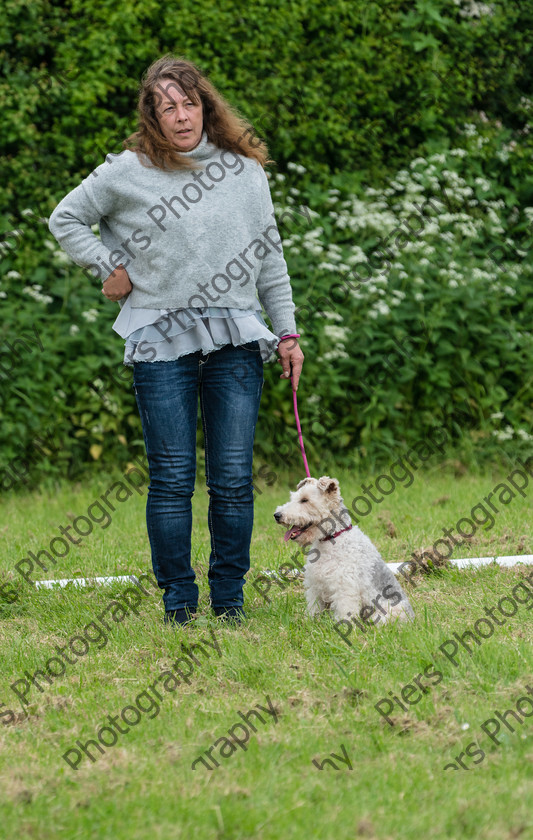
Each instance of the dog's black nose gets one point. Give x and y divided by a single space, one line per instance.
277 516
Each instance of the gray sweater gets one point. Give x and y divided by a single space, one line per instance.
189 238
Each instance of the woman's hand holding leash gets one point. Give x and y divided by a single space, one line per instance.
291 360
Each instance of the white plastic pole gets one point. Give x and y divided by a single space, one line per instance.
474 562
78 582
460 563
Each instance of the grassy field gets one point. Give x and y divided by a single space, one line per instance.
319 693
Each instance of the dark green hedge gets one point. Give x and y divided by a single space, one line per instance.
353 92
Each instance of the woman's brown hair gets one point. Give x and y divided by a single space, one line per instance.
222 123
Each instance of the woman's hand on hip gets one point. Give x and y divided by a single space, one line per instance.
291 355
117 285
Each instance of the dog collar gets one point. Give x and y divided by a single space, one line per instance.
332 536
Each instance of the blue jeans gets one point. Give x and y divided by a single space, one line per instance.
230 382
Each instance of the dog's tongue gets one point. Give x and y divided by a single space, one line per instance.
292 531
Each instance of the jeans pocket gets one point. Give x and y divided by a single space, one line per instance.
252 346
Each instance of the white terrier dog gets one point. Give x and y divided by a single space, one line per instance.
344 571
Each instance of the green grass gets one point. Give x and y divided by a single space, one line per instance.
323 690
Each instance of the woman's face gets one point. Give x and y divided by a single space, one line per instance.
180 120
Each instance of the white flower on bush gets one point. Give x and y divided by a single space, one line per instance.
431 228
90 315
342 219
35 293
296 167
3 295
469 230
279 176
112 406
479 274
334 355
74 329
381 308
13 275
506 434
523 434
336 334
333 255
475 10
313 234
357 255
498 415
27 212
419 297
333 316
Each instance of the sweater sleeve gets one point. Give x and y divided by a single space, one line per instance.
273 284
70 222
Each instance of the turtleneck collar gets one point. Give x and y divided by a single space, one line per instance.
203 150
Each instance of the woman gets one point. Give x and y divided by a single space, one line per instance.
186 221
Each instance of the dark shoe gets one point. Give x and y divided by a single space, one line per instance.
182 616
235 614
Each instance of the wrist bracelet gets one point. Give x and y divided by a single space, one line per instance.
294 335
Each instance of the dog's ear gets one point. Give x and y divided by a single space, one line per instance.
328 485
304 481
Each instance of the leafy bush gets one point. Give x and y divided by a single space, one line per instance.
366 110
426 322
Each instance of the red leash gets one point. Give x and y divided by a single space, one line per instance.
300 438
